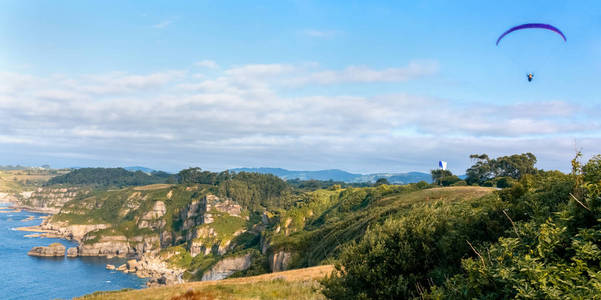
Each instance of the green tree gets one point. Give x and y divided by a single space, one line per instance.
592 169
485 169
381 181
438 175
397 259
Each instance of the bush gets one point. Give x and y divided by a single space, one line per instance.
459 183
394 259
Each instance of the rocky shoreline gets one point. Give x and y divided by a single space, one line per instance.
143 266
209 225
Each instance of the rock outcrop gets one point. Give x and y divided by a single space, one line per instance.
46 199
72 232
118 245
227 267
54 250
114 245
7 198
156 268
199 212
279 261
152 219
225 205
72 252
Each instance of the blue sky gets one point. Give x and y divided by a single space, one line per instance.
365 87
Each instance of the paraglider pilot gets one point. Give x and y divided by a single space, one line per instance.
530 77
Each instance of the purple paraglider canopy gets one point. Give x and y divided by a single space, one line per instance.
532 25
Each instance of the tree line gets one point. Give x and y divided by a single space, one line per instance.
500 172
110 177
537 239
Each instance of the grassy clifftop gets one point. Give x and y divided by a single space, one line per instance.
314 231
293 284
16 181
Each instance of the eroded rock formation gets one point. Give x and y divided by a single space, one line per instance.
54 250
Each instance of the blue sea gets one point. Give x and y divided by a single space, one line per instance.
27 277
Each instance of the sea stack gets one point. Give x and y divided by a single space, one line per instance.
54 250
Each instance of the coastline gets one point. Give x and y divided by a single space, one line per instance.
151 268
31 277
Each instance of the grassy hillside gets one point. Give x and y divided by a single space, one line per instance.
14 181
315 231
294 284
540 238
280 230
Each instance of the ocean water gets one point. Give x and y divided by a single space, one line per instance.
28 277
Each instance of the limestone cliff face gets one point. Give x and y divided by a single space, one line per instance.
72 252
47 199
54 250
227 267
8 198
153 218
105 246
118 245
202 238
224 205
198 238
279 261
157 268
199 212
73 232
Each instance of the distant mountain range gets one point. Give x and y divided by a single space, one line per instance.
138 168
339 175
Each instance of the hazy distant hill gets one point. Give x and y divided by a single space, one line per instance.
138 168
339 175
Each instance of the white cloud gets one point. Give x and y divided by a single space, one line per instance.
251 115
362 74
207 64
260 70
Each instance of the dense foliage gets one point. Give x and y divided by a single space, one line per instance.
485 168
319 227
105 177
313 185
255 191
553 254
444 177
396 259
538 239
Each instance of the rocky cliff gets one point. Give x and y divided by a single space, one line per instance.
279 261
46 199
95 244
71 231
227 267
170 231
54 250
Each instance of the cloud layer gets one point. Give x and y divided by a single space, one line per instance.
256 115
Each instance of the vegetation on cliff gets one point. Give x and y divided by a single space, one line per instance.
538 239
16 180
110 177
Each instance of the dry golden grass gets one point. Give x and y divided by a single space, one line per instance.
15 180
150 187
293 284
444 194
